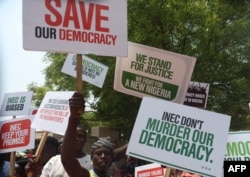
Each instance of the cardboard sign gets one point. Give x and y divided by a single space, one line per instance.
17 134
149 71
150 170
197 94
238 146
76 26
92 71
180 137
16 104
53 113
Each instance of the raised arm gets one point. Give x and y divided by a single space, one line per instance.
70 163
120 152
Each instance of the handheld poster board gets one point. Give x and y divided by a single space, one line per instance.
180 136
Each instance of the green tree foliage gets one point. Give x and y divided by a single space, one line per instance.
38 93
216 32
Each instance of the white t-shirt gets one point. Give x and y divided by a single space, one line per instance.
54 167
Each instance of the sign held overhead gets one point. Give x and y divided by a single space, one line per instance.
186 134
76 26
148 71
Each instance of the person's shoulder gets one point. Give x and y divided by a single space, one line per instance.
86 161
55 158
87 156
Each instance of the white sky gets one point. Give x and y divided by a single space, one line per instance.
18 67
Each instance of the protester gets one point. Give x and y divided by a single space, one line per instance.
132 163
102 151
119 152
117 167
50 149
54 166
60 141
4 166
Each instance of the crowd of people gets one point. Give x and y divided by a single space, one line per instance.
65 157
50 164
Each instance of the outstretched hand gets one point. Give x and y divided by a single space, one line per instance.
77 105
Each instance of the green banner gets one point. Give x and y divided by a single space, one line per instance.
149 86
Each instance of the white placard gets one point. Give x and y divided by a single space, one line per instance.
77 26
149 71
180 137
93 71
53 113
238 146
16 104
17 134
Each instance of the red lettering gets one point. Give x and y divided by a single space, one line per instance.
48 17
71 7
71 15
99 18
86 22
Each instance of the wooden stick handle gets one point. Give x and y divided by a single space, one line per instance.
12 161
79 72
39 151
168 171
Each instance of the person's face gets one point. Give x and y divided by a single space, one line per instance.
102 158
60 141
80 139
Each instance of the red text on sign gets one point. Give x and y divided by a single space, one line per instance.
82 19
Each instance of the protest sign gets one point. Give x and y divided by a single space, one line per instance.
53 113
76 26
197 94
93 71
16 104
17 134
149 71
150 170
238 146
180 136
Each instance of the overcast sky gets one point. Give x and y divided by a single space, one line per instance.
18 67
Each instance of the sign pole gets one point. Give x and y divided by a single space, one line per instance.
12 161
79 75
39 151
79 72
168 171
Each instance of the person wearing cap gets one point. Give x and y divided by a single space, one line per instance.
117 168
102 150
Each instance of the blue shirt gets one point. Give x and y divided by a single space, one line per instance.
6 169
